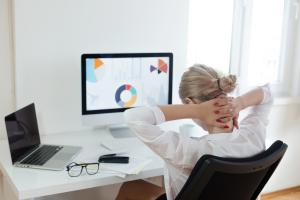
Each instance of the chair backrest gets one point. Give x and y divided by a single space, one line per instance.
215 178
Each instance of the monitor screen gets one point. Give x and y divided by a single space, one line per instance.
115 82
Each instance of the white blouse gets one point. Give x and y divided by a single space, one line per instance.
181 152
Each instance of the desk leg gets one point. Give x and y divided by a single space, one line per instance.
157 180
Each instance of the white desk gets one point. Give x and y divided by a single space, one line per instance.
31 183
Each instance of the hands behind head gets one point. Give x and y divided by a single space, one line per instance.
219 111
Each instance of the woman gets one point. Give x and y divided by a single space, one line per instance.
200 89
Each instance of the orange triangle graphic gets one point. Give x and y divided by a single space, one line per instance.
97 63
162 65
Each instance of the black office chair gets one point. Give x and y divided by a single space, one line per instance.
216 178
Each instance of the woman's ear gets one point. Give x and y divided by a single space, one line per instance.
188 101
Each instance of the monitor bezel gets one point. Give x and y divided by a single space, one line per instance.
119 55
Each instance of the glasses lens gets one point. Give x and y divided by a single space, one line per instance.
92 168
75 170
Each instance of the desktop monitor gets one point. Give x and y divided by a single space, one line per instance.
112 83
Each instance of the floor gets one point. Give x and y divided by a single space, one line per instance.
288 194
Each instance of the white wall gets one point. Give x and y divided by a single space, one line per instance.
51 36
7 100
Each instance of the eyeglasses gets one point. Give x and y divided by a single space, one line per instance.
74 169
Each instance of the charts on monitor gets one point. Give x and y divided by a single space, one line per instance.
126 82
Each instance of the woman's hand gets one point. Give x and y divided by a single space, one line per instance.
211 112
237 106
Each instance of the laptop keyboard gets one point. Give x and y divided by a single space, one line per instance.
42 155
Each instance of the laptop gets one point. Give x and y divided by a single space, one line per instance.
25 146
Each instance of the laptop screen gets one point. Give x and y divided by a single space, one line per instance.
22 132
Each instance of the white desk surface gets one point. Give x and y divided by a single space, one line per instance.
30 183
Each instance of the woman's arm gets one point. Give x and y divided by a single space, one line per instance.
143 120
253 126
171 146
251 98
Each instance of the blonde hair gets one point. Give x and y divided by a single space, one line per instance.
204 83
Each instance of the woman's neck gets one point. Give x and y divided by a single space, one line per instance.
215 130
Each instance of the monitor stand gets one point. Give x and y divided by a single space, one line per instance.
121 131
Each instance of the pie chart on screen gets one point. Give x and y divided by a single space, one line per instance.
126 88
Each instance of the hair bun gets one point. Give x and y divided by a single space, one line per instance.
228 83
